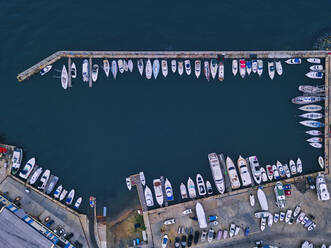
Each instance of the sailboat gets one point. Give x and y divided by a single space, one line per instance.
130 65
140 64
106 67
180 68
311 108
64 78
314 60
201 185
206 70
149 197
114 68
197 68
168 190
213 68
148 69
156 68
234 67
314 132
312 115
279 68
242 68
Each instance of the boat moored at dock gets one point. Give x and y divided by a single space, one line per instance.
279 68
53 182
312 115
316 68
58 191
314 132
314 60
148 69
309 89
106 67
149 197
114 69
164 66
233 175
191 188
306 99
27 169
201 185
299 165
183 191
242 68
180 68
70 197
243 171
213 68
85 71
78 202
259 67
254 66
46 69
216 171
315 74
197 68
234 67
221 71
173 65
35 176
294 61
314 124
156 68
142 178
187 63
311 108
95 72
63 194
140 65
255 168
206 69
249 67
16 160
168 190
271 69
64 77
128 183
158 191
44 179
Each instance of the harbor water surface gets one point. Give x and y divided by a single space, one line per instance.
92 138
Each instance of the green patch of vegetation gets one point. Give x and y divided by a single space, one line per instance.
139 220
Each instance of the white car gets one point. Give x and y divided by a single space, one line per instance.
276 217
296 211
288 215
187 211
301 217
281 216
263 223
311 227
203 235
232 230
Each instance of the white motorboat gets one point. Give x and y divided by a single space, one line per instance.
63 194
242 68
140 65
85 71
216 172
187 66
44 179
16 160
201 185
158 191
321 188
312 115
243 171
73 70
206 69
280 169
321 162
52 182
164 66
128 183
70 197
120 65
234 180
315 74
125 65
262 199
234 67
270 172
183 191
173 65
249 67
306 99
279 68
276 172
149 197
259 67
280 195
35 175
148 69
251 200
156 68
255 168
64 77
293 167
165 240
114 68
264 175
58 192
213 68
271 70
180 68
314 132
78 202
130 65
168 190
95 72
309 89
209 188
311 108
191 188
315 139
254 66
201 215
106 67
314 60
142 178
287 171
270 220
313 124
46 69
27 169
197 68
299 166
316 68
294 61
221 71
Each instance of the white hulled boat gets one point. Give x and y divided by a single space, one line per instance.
276 172
315 74
243 171
46 69
314 60
149 197
148 69
254 66
16 160
316 68
28 168
191 188
73 70
52 182
294 61
314 132
287 171
197 68
95 72
206 69
64 77
44 179
280 169
140 65
63 194
311 108
106 67
221 71
271 70
164 66
158 191
35 175
120 64
234 67
85 71
315 140
259 67
306 99
142 178
201 185
78 202
279 68
58 192
249 67
262 199
183 191
270 172
168 190
309 89
316 145
216 172
264 175
114 68
209 188
321 162
70 197
130 65
234 180
255 168
293 167
313 124
213 68
156 68
173 66
128 183
242 68
312 115
299 166
180 68
187 66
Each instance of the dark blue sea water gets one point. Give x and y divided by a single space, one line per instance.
94 137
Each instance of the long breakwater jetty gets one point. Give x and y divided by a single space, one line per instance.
165 55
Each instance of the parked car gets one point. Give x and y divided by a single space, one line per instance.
177 242
246 231
183 241
301 217
189 241
196 237
203 235
276 217
281 216
311 227
212 217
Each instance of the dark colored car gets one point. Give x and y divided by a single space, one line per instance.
177 242
49 223
196 237
246 231
189 241
183 241
68 236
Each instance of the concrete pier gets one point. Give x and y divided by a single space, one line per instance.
135 181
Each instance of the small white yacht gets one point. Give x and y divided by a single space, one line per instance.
183 191
73 70
255 168
95 72
168 190
114 69
242 68
243 171
27 169
173 65
279 68
197 68
271 69
164 66
294 61
63 194
142 178
299 166
70 197
128 183
158 191
46 69
16 160
315 74
148 69
206 69
44 179
180 68
314 60
78 202
187 66
106 67
149 197
85 71
254 66
140 65
35 175
316 68
156 68
64 77
216 172
234 67
293 167
130 65
259 67
220 71
234 180
58 192
191 188
213 68
120 66
201 185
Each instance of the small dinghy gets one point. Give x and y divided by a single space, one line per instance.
251 199
149 197
276 172
63 194
156 68
209 188
314 60
234 67
314 132
315 140
299 166
206 70
140 65
78 202
249 67
168 190
279 68
221 71
148 69
271 70
191 188
142 178
125 65
95 72
259 67
183 191
64 77
114 69
58 192
120 66
164 67
106 67
294 61
70 197
201 185
312 116
311 108
213 68
242 68
173 65
46 69
180 68
314 124
128 183
130 65
270 172
187 66
73 70
254 66
293 167
316 145
315 74
197 68
316 68
321 161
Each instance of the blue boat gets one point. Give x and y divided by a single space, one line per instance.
168 190
249 67
312 123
